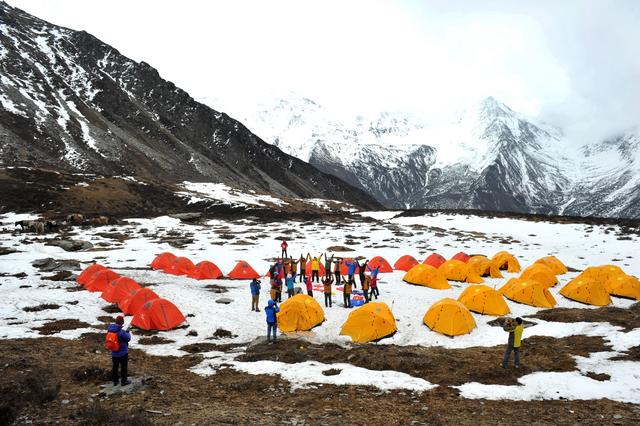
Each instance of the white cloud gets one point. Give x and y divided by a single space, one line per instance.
574 63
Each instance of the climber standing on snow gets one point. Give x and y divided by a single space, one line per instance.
271 311
514 342
117 341
284 246
255 294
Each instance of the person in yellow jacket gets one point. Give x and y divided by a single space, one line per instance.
514 342
315 267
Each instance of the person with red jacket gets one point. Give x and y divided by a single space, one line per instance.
284 246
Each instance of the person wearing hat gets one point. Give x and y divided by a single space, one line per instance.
118 342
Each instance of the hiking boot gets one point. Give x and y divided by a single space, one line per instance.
115 383
257 310
126 382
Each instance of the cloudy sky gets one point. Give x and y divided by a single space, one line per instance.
572 63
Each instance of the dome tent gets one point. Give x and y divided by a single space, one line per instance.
206 270
553 263
88 272
369 322
505 260
379 261
300 313
449 317
243 271
119 289
100 280
461 256
133 303
434 260
427 276
481 265
181 266
602 273
528 292
405 263
483 300
586 290
456 270
163 261
623 286
541 273
158 314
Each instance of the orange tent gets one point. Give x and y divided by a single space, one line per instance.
434 260
181 266
623 286
541 273
119 289
158 314
529 292
321 268
602 273
163 261
133 303
426 275
243 271
457 270
461 256
101 280
505 260
482 266
88 272
206 270
405 263
554 264
382 263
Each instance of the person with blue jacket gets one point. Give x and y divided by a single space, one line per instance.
120 358
290 283
271 311
255 294
351 270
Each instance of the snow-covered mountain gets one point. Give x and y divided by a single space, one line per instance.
487 157
69 102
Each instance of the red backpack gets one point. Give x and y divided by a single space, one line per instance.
111 341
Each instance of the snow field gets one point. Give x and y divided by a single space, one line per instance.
529 241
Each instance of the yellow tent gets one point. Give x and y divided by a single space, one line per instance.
529 292
553 263
369 322
482 266
505 260
299 313
483 300
449 317
426 275
601 273
587 291
457 270
624 286
541 273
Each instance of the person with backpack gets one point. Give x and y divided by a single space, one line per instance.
255 294
514 342
117 341
374 281
362 270
337 269
284 246
271 311
365 285
328 280
290 283
346 293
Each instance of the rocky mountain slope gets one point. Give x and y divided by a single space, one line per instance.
488 157
72 103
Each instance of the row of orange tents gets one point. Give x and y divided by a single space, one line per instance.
205 270
150 312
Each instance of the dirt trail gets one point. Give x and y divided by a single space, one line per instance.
628 318
56 381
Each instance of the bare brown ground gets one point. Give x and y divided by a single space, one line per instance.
56 381
628 318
